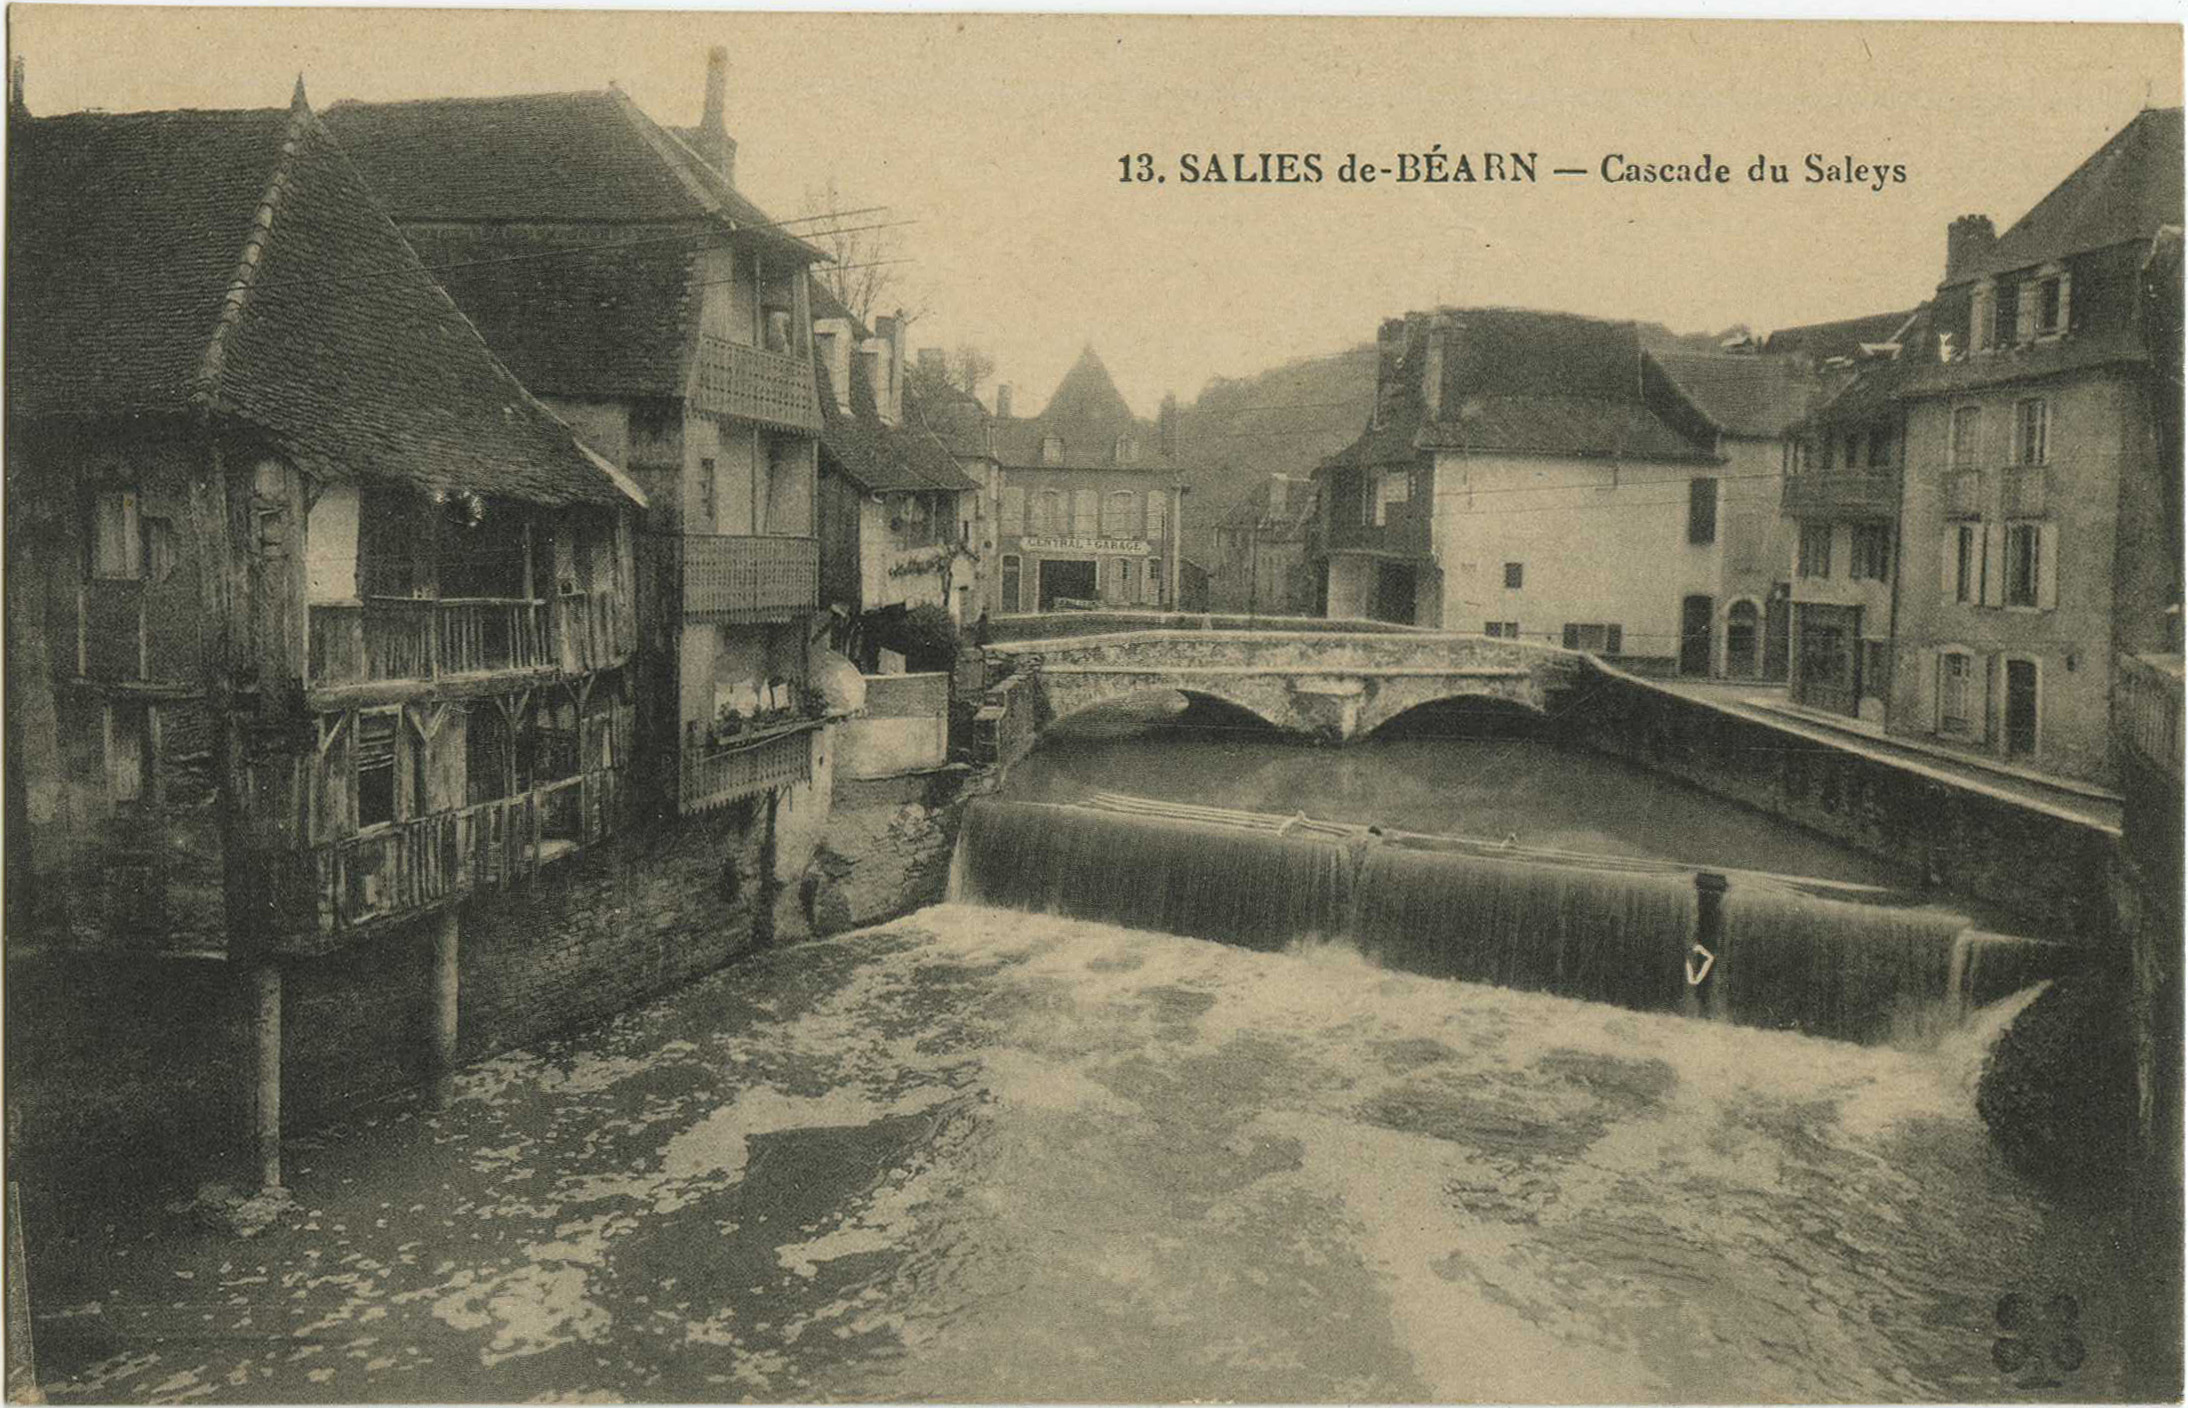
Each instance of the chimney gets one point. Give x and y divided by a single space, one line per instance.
1440 328
889 395
1967 240
1002 400
15 87
714 141
932 363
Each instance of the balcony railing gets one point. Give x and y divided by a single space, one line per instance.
1964 493
1402 533
425 638
2147 709
410 866
745 580
714 775
770 388
1829 494
2024 491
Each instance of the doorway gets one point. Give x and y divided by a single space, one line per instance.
1070 579
1777 633
2020 708
1696 614
1741 640
1828 662
1393 594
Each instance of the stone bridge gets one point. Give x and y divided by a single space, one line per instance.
1335 685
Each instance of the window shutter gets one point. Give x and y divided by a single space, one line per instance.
1612 640
1994 564
1948 563
2047 566
2025 309
2066 306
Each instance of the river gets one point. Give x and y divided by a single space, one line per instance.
980 1154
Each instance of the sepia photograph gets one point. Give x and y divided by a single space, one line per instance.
711 706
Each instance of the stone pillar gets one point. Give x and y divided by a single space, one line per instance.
266 1103
447 935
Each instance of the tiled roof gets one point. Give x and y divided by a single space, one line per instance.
1752 396
2127 190
1089 414
544 157
2119 347
955 417
597 316
879 457
126 234
1526 382
1820 342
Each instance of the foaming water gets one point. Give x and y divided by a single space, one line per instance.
1617 931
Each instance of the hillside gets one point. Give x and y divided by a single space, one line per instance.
1290 418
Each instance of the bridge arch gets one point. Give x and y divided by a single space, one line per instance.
1464 714
1074 708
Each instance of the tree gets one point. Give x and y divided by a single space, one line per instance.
866 272
969 367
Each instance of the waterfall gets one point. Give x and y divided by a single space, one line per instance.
1619 932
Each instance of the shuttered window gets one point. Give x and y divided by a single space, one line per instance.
1086 513
1701 511
1014 509
1157 507
377 737
1117 514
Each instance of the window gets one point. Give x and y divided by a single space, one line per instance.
1967 425
1014 509
117 541
1154 581
1128 449
1157 507
1963 566
125 750
1701 510
1393 486
2031 430
377 734
1052 449
1515 574
2005 316
1955 693
2050 307
2024 563
1012 570
1086 513
1881 447
1117 514
1502 630
1602 639
1815 550
1126 586
1048 516
1870 552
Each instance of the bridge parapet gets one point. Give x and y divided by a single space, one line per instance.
1334 685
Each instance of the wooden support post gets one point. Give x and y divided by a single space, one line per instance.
447 933
266 1107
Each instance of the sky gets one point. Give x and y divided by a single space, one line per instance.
997 139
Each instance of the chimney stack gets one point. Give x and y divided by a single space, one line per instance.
1440 328
714 141
1390 350
1967 240
1002 400
889 396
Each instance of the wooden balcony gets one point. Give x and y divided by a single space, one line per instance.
406 868
2146 711
1842 495
717 774
749 579
383 639
1402 533
768 388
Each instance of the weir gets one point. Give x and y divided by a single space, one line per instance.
1820 957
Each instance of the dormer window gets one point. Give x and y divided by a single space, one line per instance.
2051 302
1128 449
1052 449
